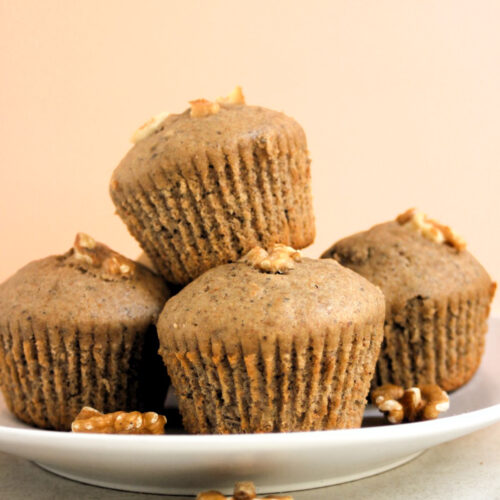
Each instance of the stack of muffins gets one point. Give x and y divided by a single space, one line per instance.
259 339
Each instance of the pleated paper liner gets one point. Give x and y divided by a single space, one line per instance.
189 218
434 341
318 381
49 373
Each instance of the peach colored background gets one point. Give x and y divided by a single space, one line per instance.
400 101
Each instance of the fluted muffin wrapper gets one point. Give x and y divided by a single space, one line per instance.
48 373
434 341
189 218
316 381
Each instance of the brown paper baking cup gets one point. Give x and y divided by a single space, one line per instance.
433 341
318 381
189 218
49 373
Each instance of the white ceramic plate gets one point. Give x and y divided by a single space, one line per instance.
183 464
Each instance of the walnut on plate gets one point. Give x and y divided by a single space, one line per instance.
423 402
120 422
280 259
244 490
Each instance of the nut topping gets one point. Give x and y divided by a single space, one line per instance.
423 402
281 259
202 107
91 253
119 422
430 228
84 247
210 495
242 491
151 126
235 97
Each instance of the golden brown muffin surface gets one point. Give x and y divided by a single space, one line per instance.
238 303
404 264
78 329
251 351
65 290
201 191
182 137
437 302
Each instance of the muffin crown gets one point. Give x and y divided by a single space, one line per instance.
238 300
405 264
181 138
201 188
71 289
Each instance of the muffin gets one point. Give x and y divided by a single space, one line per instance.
437 299
272 343
78 330
201 188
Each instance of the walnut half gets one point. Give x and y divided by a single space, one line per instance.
244 490
423 402
119 422
280 259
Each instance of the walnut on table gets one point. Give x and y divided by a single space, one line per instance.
120 422
210 495
244 490
423 402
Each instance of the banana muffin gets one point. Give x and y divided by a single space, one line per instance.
272 343
78 330
201 188
437 299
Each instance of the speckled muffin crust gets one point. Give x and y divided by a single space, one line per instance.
77 330
203 187
272 345
437 299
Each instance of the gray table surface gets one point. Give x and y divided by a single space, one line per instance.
467 468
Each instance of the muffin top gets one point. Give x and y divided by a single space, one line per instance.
205 131
412 256
88 285
269 296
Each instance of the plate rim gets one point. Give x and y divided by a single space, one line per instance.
486 415
229 442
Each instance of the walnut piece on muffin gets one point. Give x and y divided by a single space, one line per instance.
149 127
87 252
280 259
431 229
